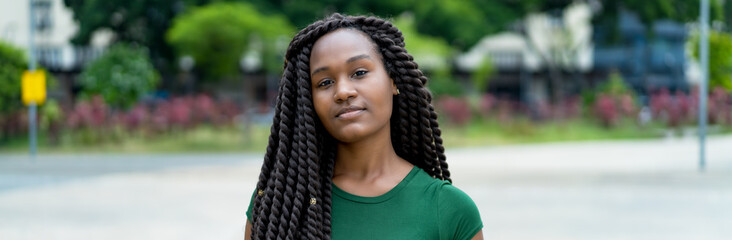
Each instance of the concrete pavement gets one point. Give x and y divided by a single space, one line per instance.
597 190
606 190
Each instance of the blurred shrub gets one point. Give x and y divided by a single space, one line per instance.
720 107
455 109
615 85
51 117
13 121
664 108
606 110
612 101
487 105
12 65
218 34
720 58
91 122
121 76
675 110
481 75
440 84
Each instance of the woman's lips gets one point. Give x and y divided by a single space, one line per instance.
350 114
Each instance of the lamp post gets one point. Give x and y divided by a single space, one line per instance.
704 56
249 62
186 63
32 106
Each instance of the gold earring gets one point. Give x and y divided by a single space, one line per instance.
398 91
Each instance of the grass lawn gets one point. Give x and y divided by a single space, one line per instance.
200 139
524 131
232 139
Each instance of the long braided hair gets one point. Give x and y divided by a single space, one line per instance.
293 198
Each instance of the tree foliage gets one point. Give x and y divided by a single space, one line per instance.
12 65
140 22
720 58
428 51
460 22
217 35
480 77
121 76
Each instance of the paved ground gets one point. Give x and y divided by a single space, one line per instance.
600 190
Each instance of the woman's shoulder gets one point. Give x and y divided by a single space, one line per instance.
451 199
443 190
457 213
422 179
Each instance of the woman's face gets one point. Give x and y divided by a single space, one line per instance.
352 92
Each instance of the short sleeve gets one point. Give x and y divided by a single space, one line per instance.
251 205
459 218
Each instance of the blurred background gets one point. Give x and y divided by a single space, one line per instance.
562 119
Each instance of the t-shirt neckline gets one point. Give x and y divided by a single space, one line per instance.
381 198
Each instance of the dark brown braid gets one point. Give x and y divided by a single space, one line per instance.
293 198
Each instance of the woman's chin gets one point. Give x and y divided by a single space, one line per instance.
351 134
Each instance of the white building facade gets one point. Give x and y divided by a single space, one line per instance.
54 28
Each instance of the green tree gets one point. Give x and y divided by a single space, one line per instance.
141 22
720 58
121 76
12 65
480 77
217 35
431 53
461 23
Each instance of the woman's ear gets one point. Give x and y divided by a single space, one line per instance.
394 89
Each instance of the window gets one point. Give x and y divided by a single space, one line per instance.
42 19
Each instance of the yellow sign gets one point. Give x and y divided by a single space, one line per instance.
34 87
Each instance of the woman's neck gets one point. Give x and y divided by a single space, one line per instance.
367 159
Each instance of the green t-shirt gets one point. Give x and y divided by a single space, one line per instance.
419 207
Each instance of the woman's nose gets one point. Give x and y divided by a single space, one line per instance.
344 90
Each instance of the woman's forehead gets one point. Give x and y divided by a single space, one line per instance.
340 45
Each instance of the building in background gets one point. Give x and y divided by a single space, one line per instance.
547 57
649 58
54 27
552 56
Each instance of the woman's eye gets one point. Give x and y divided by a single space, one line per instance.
325 82
360 73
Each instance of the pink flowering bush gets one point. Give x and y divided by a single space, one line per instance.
606 110
457 110
682 109
95 121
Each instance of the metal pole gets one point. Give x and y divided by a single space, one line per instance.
32 67
32 110
704 56
31 43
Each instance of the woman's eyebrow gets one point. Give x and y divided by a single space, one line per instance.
354 58
357 58
320 69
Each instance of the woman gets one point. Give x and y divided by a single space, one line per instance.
355 150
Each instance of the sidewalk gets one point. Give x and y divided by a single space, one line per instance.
598 190
607 190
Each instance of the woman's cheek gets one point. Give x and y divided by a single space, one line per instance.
321 108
